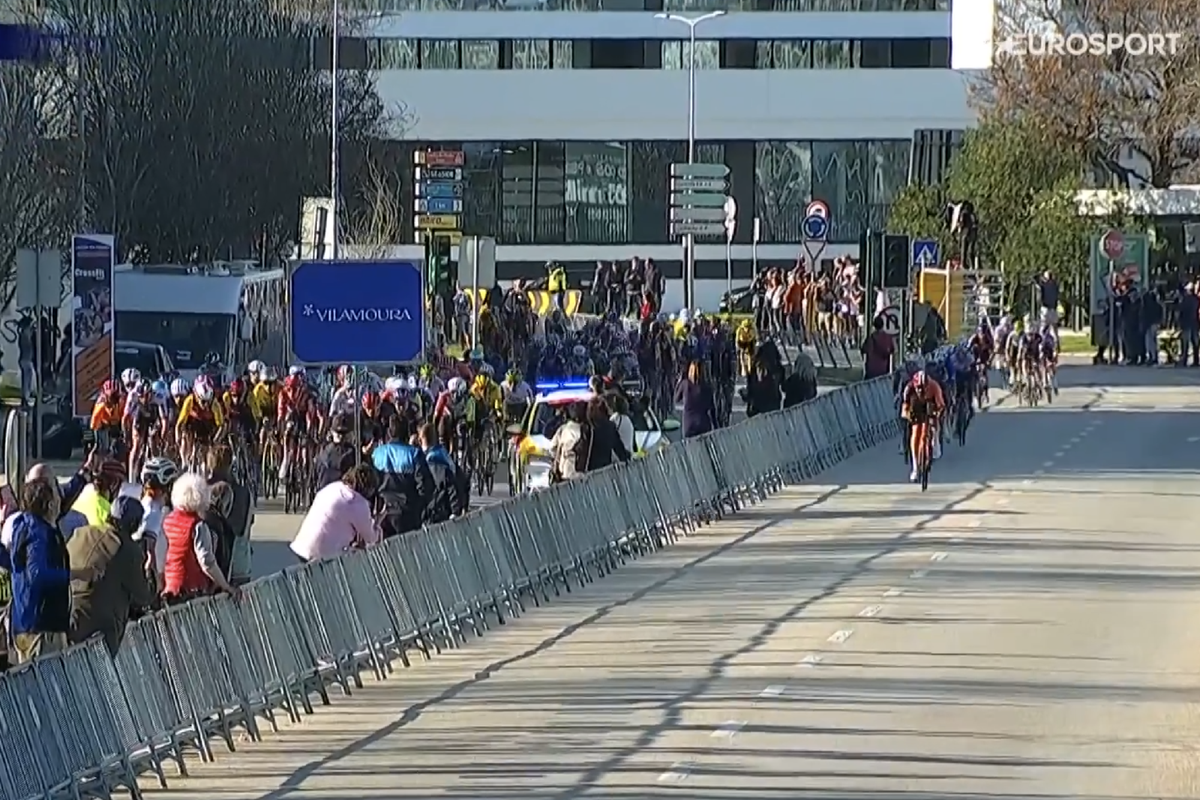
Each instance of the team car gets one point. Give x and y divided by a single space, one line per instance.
529 459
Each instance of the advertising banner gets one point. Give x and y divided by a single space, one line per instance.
92 260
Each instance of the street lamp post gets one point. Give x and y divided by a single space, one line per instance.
334 99
689 240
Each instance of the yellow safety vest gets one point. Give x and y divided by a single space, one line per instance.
558 280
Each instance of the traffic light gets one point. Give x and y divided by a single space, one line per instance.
896 253
441 278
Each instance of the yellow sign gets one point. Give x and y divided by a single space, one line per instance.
455 237
437 222
540 300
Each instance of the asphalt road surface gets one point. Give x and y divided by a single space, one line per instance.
1025 629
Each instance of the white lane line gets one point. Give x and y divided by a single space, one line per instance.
728 730
956 540
975 523
938 557
1003 501
870 611
1067 446
677 773
810 661
893 593
1194 439
840 637
1060 454
1027 482
1039 473
773 691
918 573
1075 439
1047 464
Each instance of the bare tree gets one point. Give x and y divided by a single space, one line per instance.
35 196
1133 111
379 224
200 127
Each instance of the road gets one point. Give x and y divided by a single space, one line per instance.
1025 629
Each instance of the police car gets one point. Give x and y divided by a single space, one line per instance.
529 462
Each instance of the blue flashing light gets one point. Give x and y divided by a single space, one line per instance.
556 386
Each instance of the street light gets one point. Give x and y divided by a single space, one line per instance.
334 99
689 240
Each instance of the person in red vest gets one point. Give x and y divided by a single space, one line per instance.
190 569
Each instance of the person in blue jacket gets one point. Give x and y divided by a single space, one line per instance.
40 614
406 484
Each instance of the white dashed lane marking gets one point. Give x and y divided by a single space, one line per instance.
938 557
773 691
918 573
975 523
840 637
728 730
810 661
870 611
677 773
893 593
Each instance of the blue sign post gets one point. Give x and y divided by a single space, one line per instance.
357 312
925 252
815 227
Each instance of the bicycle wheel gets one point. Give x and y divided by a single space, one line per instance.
926 461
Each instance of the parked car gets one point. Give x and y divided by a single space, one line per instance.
743 301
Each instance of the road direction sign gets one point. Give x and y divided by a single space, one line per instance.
440 158
699 170
438 205
357 312
452 190
1112 243
815 227
891 320
698 214
701 199
687 227
437 222
443 174
698 184
925 252
818 208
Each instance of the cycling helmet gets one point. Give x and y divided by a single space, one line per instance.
236 387
212 359
142 387
426 370
920 378
411 384
294 382
457 385
513 375
160 389
159 470
480 382
370 400
112 470
294 370
487 370
393 384
255 368
203 389
477 354
130 377
580 351
108 390
270 375
180 388
345 373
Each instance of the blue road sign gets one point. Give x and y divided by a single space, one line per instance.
925 252
357 312
439 205
815 227
447 190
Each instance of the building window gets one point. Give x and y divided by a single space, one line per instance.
596 192
887 177
482 188
563 54
783 187
439 54
531 54
393 54
784 54
701 6
677 54
481 54
549 218
516 193
834 53
841 172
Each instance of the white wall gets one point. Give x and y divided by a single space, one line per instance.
599 105
644 25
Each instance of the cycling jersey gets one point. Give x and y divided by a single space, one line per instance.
262 399
238 409
342 402
923 405
144 413
1032 345
106 415
193 411
515 395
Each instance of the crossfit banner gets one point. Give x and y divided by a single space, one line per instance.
92 260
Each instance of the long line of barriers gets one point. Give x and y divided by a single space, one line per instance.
80 723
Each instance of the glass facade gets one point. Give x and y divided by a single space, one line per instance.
387 54
593 192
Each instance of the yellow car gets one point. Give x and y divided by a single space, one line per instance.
529 462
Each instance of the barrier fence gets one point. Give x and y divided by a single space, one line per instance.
81 722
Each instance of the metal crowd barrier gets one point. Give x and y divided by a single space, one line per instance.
82 723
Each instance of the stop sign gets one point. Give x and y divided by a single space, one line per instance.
1113 244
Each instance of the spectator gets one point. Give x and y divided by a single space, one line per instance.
119 584
406 484
605 440
1152 318
1189 327
763 392
239 515
801 385
220 503
157 476
623 422
696 397
190 568
340 517
40 614
877 350
95 500
338 456
450 492
1047 287
567 441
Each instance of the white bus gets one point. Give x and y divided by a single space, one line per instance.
233 309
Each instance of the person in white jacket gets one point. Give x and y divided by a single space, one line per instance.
620 417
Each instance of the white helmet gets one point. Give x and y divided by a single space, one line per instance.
203 389
411 383
457 385
255 368
683 316
129 377
162 470
393 384
295 369
580 351
488 369
180 388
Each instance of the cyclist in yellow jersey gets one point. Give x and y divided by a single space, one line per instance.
201 417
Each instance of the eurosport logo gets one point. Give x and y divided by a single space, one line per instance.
1091 44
